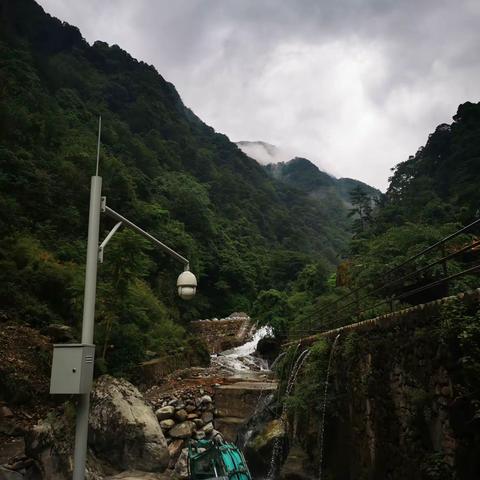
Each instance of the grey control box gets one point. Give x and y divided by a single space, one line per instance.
72 368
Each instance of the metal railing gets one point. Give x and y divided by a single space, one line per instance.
399 286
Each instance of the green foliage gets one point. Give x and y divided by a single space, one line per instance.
305 399
459 329
310 386
161 166
272 308
351 346
362 209
34 283
312 279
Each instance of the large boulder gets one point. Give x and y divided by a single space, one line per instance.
124 429
268 348
260 447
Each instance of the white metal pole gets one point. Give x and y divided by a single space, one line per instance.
81 431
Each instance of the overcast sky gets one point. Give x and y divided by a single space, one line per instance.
354 85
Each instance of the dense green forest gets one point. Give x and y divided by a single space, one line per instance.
334 192
430 195
262 240
161 166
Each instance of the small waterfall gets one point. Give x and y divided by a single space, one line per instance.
324 409
274 363
240 358
278 445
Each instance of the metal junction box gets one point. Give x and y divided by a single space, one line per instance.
72 368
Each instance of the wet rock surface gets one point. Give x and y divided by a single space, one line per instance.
268 348
260 446
124 429
297 466
236 403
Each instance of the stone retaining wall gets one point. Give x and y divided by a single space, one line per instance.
223 334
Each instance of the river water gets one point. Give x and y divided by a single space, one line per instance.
241 359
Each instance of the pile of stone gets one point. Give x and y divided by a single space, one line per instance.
184 417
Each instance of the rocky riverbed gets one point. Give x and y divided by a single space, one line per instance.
140 433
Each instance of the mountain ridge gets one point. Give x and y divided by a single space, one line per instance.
288 168
161 166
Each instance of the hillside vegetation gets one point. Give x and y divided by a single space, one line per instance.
161 166
409 390
302 174
430 195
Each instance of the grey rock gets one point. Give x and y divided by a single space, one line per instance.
124 429
5 412
182 430
167 424
59 333
181 467
181 415
208 428
198 422
50 444
206 399
207 417
165 412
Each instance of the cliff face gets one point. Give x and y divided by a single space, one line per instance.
404 401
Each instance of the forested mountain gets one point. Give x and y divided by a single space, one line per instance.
263 152
426 305
161 166
430 195
440 182
307 177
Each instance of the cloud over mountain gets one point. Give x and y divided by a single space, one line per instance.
356 85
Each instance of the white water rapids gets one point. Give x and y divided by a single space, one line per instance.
241 359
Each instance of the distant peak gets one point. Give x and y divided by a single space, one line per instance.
263 152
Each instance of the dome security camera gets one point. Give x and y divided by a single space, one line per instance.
187 285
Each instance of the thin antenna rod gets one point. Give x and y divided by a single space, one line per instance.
98 143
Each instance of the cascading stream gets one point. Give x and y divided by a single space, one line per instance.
324 409
240 359
275 362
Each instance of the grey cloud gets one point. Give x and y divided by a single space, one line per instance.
353 84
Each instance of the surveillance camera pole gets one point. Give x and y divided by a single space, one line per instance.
94 255
81 429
